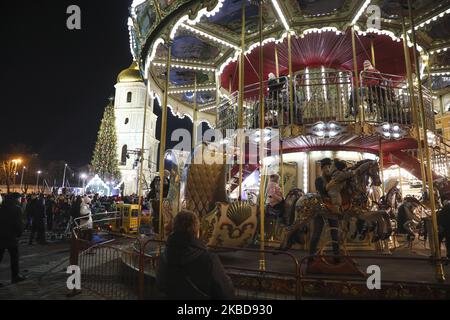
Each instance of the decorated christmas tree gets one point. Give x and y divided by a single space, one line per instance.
105 160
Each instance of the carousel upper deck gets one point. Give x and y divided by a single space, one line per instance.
306 63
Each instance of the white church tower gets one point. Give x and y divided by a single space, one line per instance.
129 110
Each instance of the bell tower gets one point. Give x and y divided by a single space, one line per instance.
130 101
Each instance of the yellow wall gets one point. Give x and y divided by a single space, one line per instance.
443 124
442 103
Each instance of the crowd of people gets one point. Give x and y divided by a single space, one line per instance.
187 269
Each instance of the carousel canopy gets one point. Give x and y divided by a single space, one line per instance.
205 38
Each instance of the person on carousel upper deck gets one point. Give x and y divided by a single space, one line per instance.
372 76
187 270
273 86
371 80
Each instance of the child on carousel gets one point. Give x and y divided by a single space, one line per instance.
274 200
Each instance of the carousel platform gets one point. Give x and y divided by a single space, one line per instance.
405 273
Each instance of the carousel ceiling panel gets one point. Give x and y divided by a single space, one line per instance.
441 59
146 17
320 7
187 77
439 83
230 16
440 30
192 48
202 97
393 8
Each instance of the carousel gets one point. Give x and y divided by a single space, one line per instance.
297 92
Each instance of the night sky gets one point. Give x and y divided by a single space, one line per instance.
54 82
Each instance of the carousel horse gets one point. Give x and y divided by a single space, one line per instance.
354 205
389 203
284 217
410 218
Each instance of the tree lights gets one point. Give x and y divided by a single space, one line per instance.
104 159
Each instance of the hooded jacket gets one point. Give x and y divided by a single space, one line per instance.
187 270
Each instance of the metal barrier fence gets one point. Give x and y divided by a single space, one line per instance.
105 271
126 269
276 106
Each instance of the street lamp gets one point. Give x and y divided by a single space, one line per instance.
37 180
64 176
21 179
15 162
83 177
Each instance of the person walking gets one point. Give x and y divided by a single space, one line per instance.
11 228
187 270
49 210
37 213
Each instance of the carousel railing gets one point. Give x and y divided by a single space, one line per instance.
276 106
327 95
428 107
324 96
439 154
385 98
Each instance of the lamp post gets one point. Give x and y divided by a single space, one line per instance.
64 176
21 178
15 162
83 177
37 180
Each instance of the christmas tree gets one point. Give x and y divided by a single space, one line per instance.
105 160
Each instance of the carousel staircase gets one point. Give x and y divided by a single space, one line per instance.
247 170
411 164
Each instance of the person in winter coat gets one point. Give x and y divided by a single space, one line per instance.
11 228
86 222
187 270
36 210
444 226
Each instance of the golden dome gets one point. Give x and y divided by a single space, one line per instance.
132 74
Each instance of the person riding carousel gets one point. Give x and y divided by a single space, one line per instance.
274 199
339 178
393 197
321 187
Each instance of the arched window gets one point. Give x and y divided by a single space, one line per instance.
124 156
127 120
129 97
